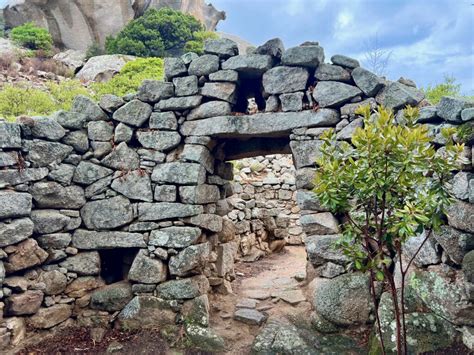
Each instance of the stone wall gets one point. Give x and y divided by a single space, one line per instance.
112 213
265 212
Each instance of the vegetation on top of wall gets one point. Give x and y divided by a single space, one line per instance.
22 100
448 87
390 186
130 77
32 37
155 34
196 45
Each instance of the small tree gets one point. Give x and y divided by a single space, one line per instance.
448 87
389 186
155 34
196 45
30 36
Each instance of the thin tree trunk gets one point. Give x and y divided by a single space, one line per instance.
374 300
402 303
393 291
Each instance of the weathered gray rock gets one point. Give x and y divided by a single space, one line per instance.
24 255
111 103
460 185
147 270
284 79
204 338
307 200
112 297
320 249
330 270
100 131
344 300
186 86
87 173
443 295
304 56
175 237
204 65
15 231
53 195
225 259
47 128
199 154
11 177
135 185
259 124
367 81
47 318
304 179
159 140
396 95
87 263
48 221
461 216
54 281
349 109
78 140
225 75
10 135
145 311
331 93
63 174
153 91
174 67
292 101
122 158
179 103
250 65
223 47
8 159
450 108
182 289
273 47
14 204
42 153
98 187
192 257
166 210
84 239
54 241
179 173
200 194
221 90
347 132
210 222
123 133
468 266
454 242
427 255
344 61
328 72
249 316
25 303
134 113
85 106
467 114
71 120
210 109
319 223
107 214
305 153
165 193
102 68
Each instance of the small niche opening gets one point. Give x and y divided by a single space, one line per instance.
250 99
115 264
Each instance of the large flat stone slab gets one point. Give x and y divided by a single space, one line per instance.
83 239
260 124
249 316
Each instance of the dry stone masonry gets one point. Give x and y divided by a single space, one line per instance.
117 211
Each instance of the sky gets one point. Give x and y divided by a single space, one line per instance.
424 40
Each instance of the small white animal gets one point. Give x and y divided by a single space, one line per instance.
252 106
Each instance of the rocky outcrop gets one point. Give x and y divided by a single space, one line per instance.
78 24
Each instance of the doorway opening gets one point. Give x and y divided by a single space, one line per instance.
115 264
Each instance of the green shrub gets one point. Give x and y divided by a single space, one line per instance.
196 45
63 93
130 77
30 36
16 101
94 50
155 34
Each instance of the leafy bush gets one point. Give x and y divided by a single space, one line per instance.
196 45
390 185
155 34
94 50
16 101
30 36
130 77
63 93
446 88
